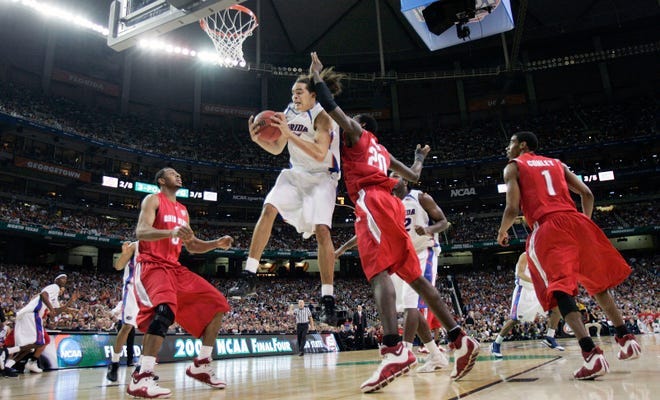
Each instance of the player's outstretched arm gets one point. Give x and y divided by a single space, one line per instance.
352 242
127 251
412 173
512 208
273 148
352 130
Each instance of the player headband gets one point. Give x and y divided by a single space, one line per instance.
60 276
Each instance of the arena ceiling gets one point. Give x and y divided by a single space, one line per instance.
345 31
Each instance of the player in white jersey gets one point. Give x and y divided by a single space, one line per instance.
424 221
525 307
29 331
127 309
304 194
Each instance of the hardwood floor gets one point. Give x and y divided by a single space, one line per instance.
529 371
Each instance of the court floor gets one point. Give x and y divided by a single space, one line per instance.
528 371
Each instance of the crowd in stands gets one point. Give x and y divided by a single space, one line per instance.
566 129
486 296
466 228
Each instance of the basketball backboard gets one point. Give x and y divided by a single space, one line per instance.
132 20
444 23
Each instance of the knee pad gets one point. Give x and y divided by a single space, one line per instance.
566 303
162 320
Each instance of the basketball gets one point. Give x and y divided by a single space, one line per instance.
267 132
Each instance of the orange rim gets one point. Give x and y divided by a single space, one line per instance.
237 7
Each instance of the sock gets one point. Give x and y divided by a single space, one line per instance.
432 348
251 265
13 350
148 364
327 290
408 345
205 352
115 356
586 344
499 339
391 340
10 363
621 331
454 333
550 333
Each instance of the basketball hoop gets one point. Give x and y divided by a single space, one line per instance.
228 29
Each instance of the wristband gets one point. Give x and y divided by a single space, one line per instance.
324 97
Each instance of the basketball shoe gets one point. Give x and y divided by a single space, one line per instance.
112 372
143 385
328 314
434 362
595 365
466 351
495 349
551 343
397 360
33 366
422 350
629 348
203 371
246 285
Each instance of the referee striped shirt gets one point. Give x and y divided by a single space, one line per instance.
302 315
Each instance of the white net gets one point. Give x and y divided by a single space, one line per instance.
228 29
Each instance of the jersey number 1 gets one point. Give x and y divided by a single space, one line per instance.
548 182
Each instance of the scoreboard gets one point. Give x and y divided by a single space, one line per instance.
117 183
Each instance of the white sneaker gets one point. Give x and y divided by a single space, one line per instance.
143 385
203 371
32 366
397 360
434 362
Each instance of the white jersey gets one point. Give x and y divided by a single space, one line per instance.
302 125
37 306
416 215
128 306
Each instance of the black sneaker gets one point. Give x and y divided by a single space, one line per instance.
112 372
328 314
10 372
246 285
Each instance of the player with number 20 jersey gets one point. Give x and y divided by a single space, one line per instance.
383 242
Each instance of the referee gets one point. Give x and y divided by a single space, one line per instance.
304 321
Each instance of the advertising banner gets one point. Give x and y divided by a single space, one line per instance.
77 350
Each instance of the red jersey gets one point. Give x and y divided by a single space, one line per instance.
365 164
169 215
543 187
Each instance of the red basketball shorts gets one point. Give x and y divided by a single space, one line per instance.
383 242
193 300
567 248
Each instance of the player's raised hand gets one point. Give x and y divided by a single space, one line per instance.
316 65
225 242
422 152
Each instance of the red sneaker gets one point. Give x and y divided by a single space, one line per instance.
202 370
629 348
595 365
397 360
466 350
